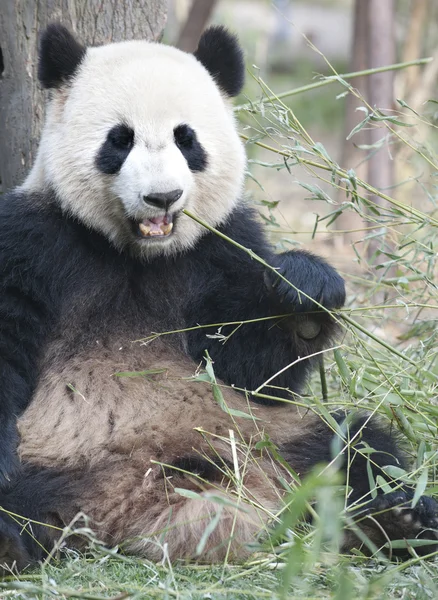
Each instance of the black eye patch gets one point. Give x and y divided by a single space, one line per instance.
191 149
115 149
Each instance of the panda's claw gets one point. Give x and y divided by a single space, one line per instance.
9 462
13 554
402 521
313 283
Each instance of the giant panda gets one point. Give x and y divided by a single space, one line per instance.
98 249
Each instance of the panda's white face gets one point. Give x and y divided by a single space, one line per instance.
140 133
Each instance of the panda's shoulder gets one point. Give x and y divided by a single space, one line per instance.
244 227
33 231
26 214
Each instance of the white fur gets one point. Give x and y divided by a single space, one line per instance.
152 88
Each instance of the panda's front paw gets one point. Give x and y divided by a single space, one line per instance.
400 521
13 554
9 462
311 278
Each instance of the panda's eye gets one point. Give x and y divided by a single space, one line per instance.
190 147
184 136
115 149
121 136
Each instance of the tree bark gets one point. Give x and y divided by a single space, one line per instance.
21 99
381 51
196 21
413 46
353 157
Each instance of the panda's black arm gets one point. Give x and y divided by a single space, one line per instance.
25 317
234 287
366 449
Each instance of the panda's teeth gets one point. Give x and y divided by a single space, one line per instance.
167 228
145 229
155 230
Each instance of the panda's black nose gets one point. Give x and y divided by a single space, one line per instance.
164 200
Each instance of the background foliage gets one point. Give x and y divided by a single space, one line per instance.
385 361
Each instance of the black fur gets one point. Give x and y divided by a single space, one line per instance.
401 521
213 283
115 149
37 493
44 497
50 265
56 274
191 149
13 551
316 447
382 517
60 56
26 312
209 470
307 273
49 496
220 53
233 288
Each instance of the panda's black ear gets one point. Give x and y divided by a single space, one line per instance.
60 56
220 53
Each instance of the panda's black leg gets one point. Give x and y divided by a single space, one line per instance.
9 463
311 278
382 517
29 521
13 552
387 516
391 517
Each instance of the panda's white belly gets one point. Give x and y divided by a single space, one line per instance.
85 411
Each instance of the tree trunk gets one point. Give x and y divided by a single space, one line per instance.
413 46
381 51
196 21
21 99
353 157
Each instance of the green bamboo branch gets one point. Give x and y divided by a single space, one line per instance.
344 175
260 260
341 311
333 79
257 258
156 335
371 335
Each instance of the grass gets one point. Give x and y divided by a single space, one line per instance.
386 362
102 576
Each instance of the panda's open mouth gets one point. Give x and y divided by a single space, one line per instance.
155 227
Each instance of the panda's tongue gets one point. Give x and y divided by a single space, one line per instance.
156 226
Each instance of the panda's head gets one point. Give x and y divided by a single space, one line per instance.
136 132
